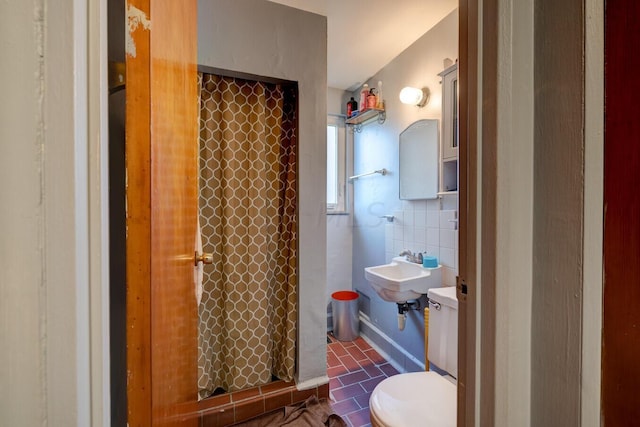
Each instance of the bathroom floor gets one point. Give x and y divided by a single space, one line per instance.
354 369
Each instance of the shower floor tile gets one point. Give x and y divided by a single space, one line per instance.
354 369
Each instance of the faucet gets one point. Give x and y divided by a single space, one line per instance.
411 257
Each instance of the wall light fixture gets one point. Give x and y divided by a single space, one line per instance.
414 96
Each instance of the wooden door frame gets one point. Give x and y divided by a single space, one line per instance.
593 213
467 201
592 286
138 247
468 168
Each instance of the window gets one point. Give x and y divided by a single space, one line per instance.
336 165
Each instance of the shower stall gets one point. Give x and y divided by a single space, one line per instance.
248 218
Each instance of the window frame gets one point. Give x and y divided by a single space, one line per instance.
341 207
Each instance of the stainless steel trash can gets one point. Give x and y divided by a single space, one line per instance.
344 305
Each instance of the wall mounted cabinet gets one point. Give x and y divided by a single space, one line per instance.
450 112
450 134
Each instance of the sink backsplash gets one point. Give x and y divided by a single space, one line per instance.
426 226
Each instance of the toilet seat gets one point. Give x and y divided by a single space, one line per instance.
419 399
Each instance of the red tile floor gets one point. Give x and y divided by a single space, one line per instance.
354 369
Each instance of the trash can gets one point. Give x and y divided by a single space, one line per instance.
344 305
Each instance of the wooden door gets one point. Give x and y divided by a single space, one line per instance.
161 164
621 308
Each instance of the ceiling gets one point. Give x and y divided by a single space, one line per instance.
365 35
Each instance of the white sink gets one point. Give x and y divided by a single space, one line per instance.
402 280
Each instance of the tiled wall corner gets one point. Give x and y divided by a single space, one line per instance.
421 226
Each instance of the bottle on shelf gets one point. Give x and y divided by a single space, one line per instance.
352 107
380 104
372 99
364 93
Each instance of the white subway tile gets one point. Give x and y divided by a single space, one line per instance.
433 219
419 205
398 217
450 203
388 257
420 218
388 230
388 237
398 232
448 276
407 205
448 219
456 260
407 233
434 251
398 246
433 236
408 218
433 205
448 257
419 234
447 238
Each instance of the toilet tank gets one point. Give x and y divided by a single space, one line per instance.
443 329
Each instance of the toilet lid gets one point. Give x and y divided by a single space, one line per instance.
414 399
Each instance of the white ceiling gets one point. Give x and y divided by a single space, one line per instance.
365 35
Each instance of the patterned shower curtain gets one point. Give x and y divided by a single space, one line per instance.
248 216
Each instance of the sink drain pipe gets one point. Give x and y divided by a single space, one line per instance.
403 307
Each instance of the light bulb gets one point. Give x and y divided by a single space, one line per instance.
414 96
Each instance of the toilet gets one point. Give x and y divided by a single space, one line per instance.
425 399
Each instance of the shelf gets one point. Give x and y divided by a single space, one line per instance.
449 176
367 115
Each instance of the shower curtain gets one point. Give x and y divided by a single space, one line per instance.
248 215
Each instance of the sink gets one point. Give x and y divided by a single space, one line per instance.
401 280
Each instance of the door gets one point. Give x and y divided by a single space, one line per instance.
621 295
161 164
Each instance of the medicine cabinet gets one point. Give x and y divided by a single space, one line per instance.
450 129
419 161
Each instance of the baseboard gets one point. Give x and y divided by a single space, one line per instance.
397 356
313 382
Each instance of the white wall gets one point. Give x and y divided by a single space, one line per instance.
339 252
514 202
54 338
23 297
271 40
335 101
340 227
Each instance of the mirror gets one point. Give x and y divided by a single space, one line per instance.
419 161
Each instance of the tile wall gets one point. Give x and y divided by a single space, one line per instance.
426 226
231 408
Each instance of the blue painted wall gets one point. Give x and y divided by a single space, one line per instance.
376 147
